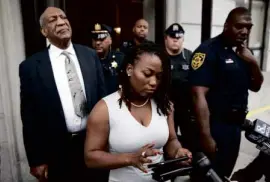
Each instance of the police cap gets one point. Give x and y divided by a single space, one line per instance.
175 31
101 31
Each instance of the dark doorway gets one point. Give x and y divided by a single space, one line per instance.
83 15
31 11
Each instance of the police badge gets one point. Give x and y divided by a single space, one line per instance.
197 60
114 63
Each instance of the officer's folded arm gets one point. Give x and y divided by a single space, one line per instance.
256 76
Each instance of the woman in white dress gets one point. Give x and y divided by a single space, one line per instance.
132 127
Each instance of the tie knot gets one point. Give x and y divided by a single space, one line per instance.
65 53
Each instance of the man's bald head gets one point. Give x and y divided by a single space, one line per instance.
45 13
236 12
140 29
141 21
237 26
55 26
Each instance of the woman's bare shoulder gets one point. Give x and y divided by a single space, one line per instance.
99 113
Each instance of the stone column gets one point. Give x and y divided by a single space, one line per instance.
266 63
13 163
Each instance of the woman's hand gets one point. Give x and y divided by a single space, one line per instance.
140 157
181 152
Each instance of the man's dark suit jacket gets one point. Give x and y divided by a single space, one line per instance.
45 133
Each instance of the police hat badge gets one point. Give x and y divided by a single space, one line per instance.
97 27
100 31
175 31
175 28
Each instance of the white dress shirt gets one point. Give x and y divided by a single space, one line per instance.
73 122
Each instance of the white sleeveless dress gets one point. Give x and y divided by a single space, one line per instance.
128 135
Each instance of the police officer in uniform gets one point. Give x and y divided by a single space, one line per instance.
140 32
111 60
223 69
180 90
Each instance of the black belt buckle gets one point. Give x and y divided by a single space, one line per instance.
74 135
77 134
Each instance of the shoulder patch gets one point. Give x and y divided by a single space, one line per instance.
197 60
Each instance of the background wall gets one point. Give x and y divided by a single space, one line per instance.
188 14
12 156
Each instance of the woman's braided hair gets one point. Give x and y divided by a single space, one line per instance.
161 95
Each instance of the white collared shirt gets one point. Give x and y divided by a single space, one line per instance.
73 122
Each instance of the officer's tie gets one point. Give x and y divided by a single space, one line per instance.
78 97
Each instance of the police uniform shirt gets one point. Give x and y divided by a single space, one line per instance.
216 66
180 65
111 67
127 45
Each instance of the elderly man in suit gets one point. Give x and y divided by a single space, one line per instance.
59 87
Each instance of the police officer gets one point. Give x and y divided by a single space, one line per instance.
111 60
180 94
140 32
223 69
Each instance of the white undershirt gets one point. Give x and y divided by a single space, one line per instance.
73 122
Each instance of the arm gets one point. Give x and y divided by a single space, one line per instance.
33 133
96 144
201 109
202 114
202 77
173 146
256 77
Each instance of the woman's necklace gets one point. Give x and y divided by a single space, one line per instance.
140 105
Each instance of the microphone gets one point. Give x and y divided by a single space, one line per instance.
166 170
169 175
168 162
202 163
258 132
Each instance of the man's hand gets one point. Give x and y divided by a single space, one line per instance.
40 172
209 146
244 53
181 152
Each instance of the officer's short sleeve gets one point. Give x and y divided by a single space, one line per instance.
202 72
